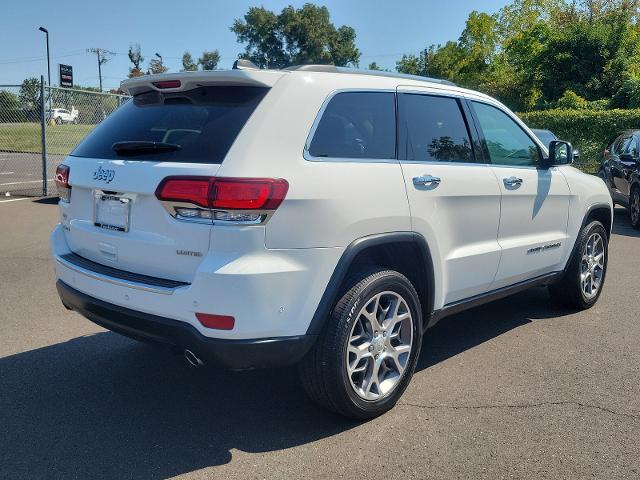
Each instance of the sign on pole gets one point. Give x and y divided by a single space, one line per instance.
66 75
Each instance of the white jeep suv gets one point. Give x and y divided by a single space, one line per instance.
317 216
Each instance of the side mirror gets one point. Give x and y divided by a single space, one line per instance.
560 153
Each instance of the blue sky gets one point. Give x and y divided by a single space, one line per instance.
385 30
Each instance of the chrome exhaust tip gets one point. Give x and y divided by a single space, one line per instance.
192 358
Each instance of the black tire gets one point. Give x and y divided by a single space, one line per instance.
323 372
568 292
634 207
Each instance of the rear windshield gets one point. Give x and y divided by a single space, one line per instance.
203 123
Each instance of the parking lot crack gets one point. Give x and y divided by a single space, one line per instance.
635 416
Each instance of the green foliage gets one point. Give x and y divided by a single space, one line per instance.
533 51
10 110
29 95
209 60
414 65
374 66
588 130
188 64
628 95
295 36
571 99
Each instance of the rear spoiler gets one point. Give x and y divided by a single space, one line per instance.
190 80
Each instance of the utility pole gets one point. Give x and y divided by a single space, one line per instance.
103 57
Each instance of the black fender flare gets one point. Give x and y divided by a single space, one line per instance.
593 208
587 215
351 252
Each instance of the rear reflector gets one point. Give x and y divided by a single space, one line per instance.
167 84
219 322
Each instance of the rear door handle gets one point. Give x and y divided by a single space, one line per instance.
512 182
426 180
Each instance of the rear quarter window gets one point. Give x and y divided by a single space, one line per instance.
356 125
204 122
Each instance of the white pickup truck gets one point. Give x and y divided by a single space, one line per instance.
62 115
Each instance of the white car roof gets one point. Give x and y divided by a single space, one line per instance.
329 76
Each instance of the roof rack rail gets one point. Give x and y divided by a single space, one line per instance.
355 71
313 68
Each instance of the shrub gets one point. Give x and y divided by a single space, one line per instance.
571 100
587 130
628 95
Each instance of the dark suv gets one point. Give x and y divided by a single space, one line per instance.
620 170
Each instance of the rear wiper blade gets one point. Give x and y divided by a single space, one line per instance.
142 147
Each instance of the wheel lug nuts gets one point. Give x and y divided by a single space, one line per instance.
371 348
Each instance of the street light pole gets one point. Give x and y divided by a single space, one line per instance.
160 57
46 32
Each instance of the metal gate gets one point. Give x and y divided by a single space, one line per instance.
39 126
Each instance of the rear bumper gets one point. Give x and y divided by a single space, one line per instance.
234 354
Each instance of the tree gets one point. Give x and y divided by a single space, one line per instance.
374 66
209 60
188 64
10 110
533 51
29 94
136 58
414 64
156 66
295 36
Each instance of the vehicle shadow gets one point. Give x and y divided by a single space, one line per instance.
461 332
622 223
103 406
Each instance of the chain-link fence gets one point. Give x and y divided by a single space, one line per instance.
21 139
39 126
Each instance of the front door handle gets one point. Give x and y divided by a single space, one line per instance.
512 182
426 180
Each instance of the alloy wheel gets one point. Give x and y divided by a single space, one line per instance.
592 266
379 346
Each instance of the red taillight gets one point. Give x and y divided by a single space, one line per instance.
62 182
167 84
184 189
219 322
62 176
249 193
224 193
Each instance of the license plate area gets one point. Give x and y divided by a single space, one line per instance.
111 212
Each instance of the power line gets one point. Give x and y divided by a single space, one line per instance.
38 59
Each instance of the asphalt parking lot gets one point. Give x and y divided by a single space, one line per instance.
21 173
514 389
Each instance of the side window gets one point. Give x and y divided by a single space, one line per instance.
615 146
357 125
621 144
508 144
432 129
631 147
